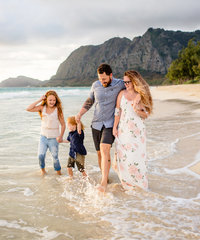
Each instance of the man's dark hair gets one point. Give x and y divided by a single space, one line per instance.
104 68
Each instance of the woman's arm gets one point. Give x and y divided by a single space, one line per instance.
136 101
117 113
141 111
33 107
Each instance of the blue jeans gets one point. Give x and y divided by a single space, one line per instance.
52 144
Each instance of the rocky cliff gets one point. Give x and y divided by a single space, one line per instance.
150 54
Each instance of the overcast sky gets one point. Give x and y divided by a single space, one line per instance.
37 35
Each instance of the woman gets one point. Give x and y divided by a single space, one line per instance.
134 104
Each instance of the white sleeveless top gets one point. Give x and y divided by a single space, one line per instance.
50 124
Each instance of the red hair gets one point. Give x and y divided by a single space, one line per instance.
72 121
58 102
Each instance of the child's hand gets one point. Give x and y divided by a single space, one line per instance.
43 97
79 131
79 128
59 139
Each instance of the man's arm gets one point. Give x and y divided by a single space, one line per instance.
86 106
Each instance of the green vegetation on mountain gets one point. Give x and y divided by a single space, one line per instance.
150 54
186 68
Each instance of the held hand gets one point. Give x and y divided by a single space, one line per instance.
78 118
59 139
79 131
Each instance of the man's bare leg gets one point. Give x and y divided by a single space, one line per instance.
99 158
105 165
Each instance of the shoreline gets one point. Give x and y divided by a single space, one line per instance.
189 92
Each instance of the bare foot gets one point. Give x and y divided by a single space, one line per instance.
69 178
86 177
84 174
43 171
101 189
59 172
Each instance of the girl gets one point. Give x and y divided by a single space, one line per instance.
50 111
77 150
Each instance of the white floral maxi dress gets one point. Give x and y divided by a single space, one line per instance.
130 146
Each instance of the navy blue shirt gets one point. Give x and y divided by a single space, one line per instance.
76 143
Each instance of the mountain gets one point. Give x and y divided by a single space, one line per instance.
21 81
150 54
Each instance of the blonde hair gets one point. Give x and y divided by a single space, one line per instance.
141 87
72 121
58 103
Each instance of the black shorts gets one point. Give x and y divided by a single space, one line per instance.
103 136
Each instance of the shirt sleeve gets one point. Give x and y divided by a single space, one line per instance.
68 138
91 95
122 84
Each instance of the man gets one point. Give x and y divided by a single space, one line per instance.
103 95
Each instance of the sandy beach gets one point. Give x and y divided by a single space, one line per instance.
189 92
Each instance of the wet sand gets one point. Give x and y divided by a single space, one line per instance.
182 94
54 208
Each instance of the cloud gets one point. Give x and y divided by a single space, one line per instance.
23 21
46 31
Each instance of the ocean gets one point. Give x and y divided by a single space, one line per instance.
54 208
